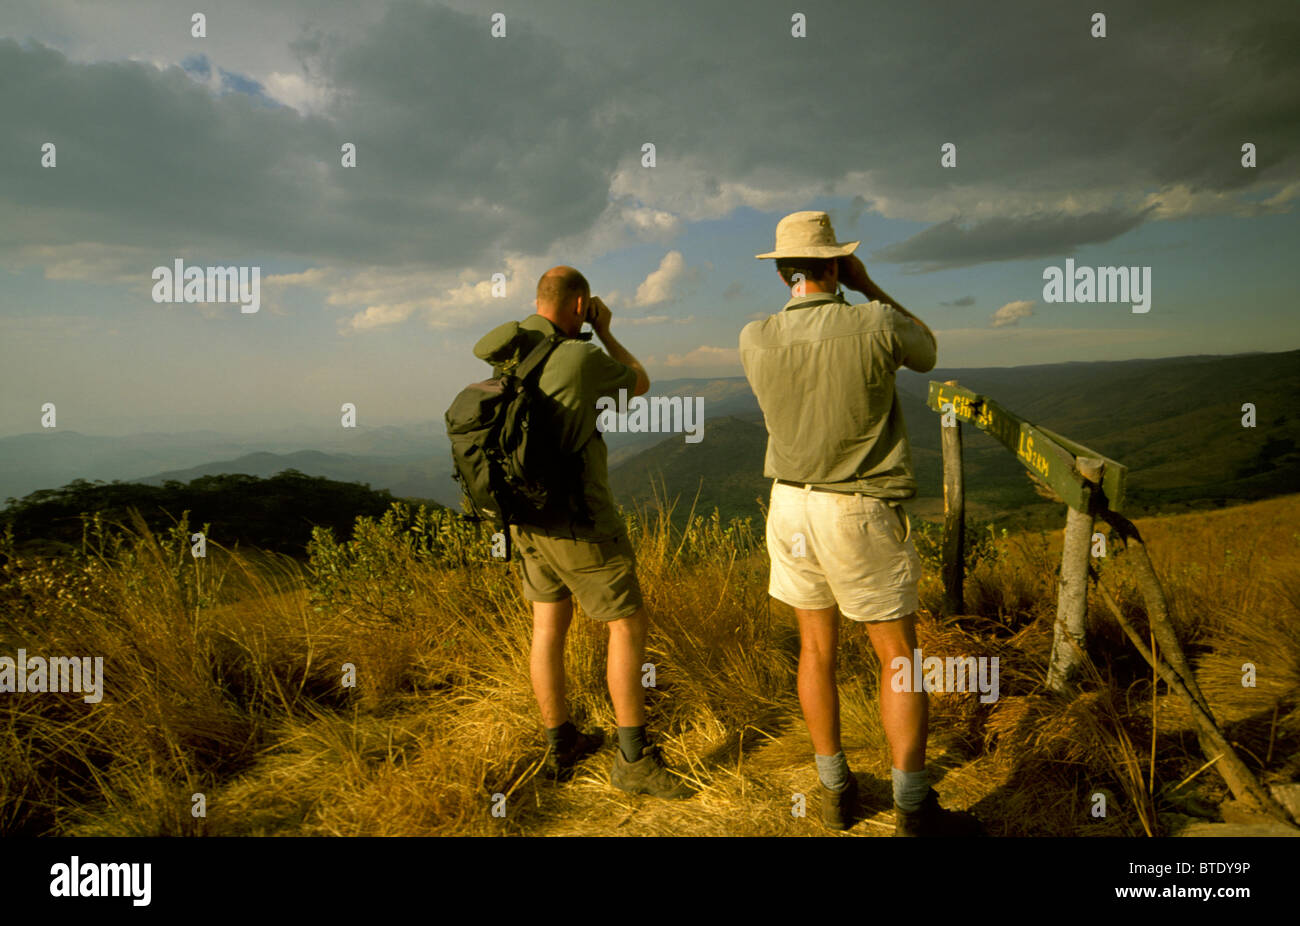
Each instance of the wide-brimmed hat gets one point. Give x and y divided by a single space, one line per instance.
808 234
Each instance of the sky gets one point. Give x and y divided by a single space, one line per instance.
479 154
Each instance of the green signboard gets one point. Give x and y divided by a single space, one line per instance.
1044 452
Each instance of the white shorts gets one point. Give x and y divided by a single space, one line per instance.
831 548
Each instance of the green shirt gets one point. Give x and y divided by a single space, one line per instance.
575 375
823 373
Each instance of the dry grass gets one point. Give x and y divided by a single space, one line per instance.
224 677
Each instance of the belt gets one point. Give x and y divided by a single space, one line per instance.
804 485
893 503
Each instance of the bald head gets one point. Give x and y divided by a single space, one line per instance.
558 287
563 295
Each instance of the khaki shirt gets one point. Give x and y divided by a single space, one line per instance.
575 375
823 373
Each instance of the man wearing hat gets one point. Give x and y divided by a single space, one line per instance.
837 536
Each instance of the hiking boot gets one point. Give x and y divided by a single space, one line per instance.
647 775
558 766
840 809
932 820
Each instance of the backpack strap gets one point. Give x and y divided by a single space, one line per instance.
537 356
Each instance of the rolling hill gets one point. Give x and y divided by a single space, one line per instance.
50 459
724 474
1175 422
418 478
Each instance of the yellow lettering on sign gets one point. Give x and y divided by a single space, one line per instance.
966 408
1026 452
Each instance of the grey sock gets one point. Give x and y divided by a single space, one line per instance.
910 788
632 741
562 737
833 771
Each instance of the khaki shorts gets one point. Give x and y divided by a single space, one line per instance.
601 575
831 548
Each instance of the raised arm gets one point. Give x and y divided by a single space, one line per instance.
600 324
854 275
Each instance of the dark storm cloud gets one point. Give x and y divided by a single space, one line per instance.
468 144
462 142
949 244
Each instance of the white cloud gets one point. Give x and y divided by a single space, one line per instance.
650 222
1012 312
297 91
705 356
690 189
443 299
1179 201
92 262
664 284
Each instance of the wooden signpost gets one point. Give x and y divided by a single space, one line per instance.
1083 479
1093 487
1044 452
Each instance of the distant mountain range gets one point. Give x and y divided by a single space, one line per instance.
1175 422
47 460
405 478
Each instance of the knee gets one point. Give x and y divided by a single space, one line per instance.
817 655
549 639
633 626
894 640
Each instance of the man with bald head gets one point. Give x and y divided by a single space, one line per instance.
577 545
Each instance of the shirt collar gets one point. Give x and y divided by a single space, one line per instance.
803 302
580 336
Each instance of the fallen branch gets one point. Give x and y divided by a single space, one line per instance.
1240 780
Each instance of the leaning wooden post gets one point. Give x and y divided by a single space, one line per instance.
1235 773
1072 599
954 515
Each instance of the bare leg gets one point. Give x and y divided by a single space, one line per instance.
623 669
546 661
819 697
905 714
